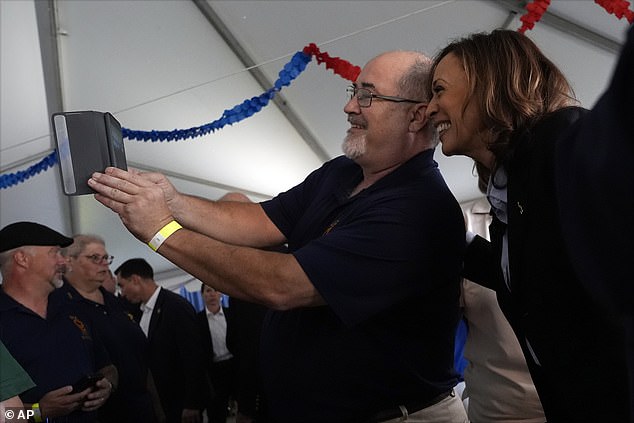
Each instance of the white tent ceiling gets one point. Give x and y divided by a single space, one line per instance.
178 64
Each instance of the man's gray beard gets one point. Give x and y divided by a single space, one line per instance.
57 282
354 146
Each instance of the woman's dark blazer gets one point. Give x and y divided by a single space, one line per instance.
571 327
595 187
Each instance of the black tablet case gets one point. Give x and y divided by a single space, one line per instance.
87 142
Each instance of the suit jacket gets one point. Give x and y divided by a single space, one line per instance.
176 355
203 328
497 365
595 178
574 349
244 328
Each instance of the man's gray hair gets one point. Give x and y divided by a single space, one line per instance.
414 83
5 256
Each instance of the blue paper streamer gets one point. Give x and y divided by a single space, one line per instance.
244 110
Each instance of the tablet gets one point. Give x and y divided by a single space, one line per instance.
87 142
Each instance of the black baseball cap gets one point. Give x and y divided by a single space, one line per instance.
20 234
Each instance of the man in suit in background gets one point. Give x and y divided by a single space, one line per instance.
176 355
212 323
244 327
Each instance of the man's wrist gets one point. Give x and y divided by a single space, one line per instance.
177 204
165 232
37 412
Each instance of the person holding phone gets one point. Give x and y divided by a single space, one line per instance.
53 343
88 262
375 243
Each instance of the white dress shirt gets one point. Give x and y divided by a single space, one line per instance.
218 330
497 196
147 309
499 204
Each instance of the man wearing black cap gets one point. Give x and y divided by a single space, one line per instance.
53 344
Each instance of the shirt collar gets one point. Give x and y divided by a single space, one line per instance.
419 164
7 302
210 313
497 194
149 305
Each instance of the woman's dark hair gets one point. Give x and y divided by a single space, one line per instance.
513 83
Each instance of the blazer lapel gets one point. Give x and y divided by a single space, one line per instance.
156 314
518 210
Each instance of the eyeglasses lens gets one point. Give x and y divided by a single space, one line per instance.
97 259
364 97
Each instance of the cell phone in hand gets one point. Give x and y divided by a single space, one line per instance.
88 381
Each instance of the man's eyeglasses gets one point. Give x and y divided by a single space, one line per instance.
97 259
364 96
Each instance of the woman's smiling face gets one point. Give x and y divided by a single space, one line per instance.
457 117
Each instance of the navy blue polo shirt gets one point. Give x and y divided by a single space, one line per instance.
387 262
127 347
56 351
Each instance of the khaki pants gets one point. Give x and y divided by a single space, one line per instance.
449 410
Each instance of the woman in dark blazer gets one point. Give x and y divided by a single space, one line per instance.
499 100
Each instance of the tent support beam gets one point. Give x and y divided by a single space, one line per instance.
199 181
566 26
261 79
47 29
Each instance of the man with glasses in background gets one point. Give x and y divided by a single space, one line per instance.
365 306
54 343
124 340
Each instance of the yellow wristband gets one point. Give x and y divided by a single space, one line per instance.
165 232
37 414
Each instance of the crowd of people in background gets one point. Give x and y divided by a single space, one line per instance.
346 291
159 360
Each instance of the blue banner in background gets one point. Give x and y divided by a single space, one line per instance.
195 298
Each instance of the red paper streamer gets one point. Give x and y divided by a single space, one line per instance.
339 66
619 8
537 8
535 11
